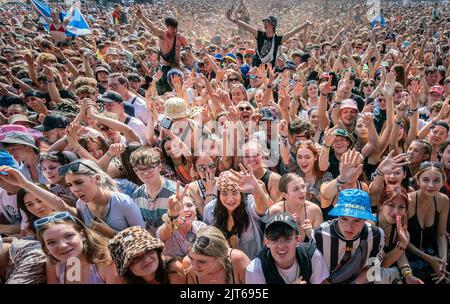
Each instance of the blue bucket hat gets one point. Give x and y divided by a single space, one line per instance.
353 203
6 159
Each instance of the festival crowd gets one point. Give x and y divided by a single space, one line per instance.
225 142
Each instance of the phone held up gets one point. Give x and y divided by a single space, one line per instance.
166 123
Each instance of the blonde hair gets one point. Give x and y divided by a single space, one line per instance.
218 247
106 182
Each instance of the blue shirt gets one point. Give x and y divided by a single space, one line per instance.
121 212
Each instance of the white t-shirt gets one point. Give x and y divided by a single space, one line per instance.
140 108
138 127
254 273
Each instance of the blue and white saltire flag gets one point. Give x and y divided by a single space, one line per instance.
78 25
379 19
44 11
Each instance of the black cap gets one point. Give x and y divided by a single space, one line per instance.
33 93
53 121
282 218
111 96
272 20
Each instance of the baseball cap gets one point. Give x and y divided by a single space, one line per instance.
343 133
283 219
53 121
33 93
290 65
111 96
349 104
101 68
353 203
272 19
218 57
19 138
436 89
231 57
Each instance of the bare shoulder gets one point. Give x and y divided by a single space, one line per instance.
277 208
312 207
239 257
442 201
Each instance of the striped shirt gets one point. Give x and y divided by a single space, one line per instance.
152 209
333 246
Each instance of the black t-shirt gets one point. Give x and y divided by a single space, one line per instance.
334 164
359 101
264 46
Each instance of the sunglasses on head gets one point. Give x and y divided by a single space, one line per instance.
55 217
428 164
202 242
104 128
73 167
202 168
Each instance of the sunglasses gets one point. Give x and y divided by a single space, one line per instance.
73 167
104 128
202 242
148 170
428 164
368 85
57 216
247 108
202 168
233 80
254 77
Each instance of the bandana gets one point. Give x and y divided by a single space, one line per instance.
225 182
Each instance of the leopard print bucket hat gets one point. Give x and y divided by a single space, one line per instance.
131 243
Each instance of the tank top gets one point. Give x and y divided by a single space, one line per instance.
265 179
94 276
423 238
389 246
170 56
306 240
60 28
326 210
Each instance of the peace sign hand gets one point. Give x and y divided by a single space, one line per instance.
175 201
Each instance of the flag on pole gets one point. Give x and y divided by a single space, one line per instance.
78 25
44 12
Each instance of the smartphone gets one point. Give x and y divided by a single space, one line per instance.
166 123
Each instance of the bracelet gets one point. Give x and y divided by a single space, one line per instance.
378 172
400 247
339 182
406 273
283 137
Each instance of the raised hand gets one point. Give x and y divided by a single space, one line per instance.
12 176
351 166
246 179
74 131
116 149
175 201
389 85
329 136
325 88
233 114
283 128
402 232
367 118
391 163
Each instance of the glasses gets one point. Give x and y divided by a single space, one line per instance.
73 167
398 91
428 164
254 77
247 108
202 168
57 216
368 85
147 170
233 80
202 242
306 142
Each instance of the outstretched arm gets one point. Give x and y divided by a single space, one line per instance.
242 24
153 28
295 31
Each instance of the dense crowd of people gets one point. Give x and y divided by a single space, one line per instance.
230 142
